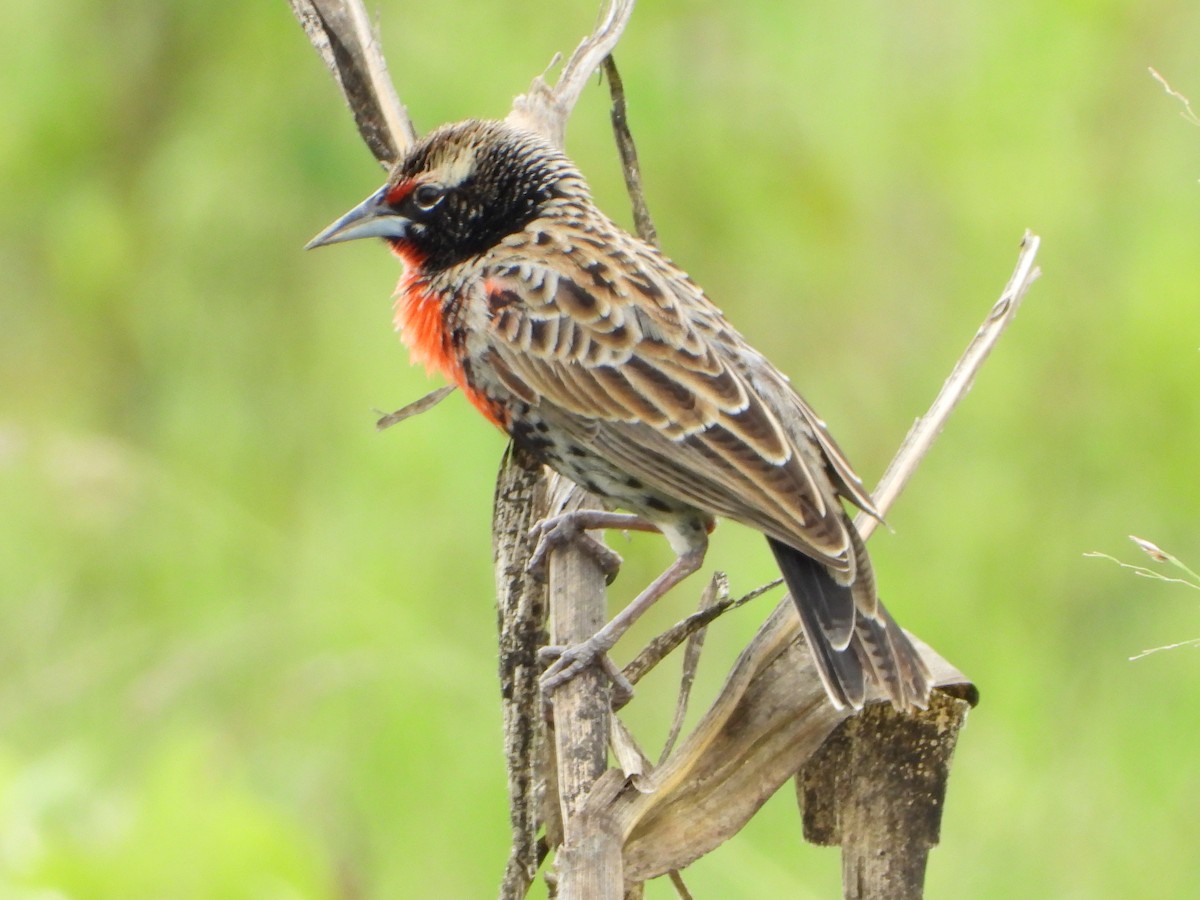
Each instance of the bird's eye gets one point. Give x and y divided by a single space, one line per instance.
427 196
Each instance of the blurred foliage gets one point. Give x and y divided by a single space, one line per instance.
246 643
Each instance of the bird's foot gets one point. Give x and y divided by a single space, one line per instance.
570 528
571 661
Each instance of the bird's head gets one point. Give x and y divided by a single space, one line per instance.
459 191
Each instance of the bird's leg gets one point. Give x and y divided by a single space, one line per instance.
570 527
570 661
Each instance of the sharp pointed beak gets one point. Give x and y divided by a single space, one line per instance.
371 218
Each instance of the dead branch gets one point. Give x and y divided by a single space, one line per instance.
341 32
426 403
589 860
521 601
926 429
628 152
546 109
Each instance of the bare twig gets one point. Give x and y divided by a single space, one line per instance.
341 32
589 859
628 151
716 592
426 403
659 648
926 429
680 887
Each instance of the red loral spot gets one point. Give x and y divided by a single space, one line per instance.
398 192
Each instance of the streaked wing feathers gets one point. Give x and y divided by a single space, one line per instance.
652 393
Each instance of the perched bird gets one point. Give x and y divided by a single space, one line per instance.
599 355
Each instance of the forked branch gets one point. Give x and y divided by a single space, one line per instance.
545 109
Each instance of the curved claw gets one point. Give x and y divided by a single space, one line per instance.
565 529
571 661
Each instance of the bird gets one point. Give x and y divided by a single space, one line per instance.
599 355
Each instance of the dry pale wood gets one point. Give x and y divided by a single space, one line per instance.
589 860
772 715
545 109
521 601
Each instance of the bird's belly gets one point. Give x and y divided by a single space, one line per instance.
577 461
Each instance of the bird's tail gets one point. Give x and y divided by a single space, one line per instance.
852 646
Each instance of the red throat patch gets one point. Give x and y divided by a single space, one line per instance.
422 326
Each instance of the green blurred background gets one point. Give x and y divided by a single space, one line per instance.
247 643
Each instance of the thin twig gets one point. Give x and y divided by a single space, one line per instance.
680 887
717 591
1194 642
916 444
426 403
926 429
654 652
628 151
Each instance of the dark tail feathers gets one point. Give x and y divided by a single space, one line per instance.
850 647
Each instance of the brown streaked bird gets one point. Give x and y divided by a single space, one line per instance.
598 354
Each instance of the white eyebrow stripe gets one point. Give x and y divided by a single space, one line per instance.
457 170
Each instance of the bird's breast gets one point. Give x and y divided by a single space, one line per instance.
434 333
421 322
